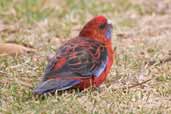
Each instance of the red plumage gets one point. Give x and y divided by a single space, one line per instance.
81 62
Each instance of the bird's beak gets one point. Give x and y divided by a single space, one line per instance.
109 22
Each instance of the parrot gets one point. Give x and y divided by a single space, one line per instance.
81 62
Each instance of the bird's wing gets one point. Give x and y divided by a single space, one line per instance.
79 58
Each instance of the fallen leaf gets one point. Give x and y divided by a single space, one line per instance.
14 49
23 44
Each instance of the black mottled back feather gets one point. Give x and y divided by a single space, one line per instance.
83 56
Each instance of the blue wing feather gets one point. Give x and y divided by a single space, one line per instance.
97 72
52 85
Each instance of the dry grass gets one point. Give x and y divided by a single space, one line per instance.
142 33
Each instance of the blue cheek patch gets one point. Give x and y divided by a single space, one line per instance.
109 34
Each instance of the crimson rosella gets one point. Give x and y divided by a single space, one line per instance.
81 62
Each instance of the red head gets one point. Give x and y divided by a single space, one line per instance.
99 28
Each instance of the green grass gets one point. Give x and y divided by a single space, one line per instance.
28 10
138 34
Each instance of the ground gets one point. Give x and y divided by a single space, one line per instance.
140 79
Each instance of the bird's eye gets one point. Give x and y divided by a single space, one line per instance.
102 26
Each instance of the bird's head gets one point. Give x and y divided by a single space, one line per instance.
99 29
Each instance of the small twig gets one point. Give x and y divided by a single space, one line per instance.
156 63
137 84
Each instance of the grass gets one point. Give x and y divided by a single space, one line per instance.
141 33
